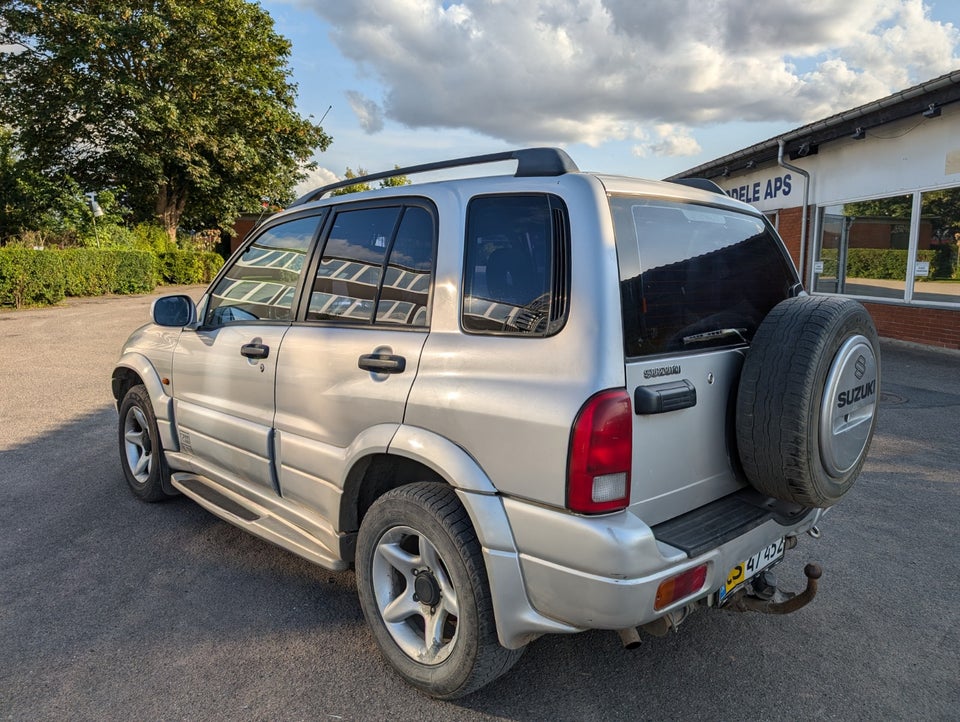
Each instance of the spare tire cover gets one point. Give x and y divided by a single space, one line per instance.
807 401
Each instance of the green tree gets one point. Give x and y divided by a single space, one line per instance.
356 187
391 182
187 105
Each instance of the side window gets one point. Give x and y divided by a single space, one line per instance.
406 284
376 267
262 283
515 270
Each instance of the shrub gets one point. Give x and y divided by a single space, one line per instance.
92 272
133 271
30 278
189 267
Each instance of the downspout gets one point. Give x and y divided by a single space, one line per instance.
806 202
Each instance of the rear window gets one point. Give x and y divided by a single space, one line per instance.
695 276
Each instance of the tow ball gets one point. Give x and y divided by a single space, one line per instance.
775 601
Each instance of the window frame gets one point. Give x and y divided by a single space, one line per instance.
271 223
913 242
555 325
320 245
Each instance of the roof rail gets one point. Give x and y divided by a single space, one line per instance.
531 162
704 184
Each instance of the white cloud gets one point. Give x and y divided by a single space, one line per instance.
368 112
566 71
671 140
314 179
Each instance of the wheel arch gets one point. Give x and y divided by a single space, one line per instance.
413 454
133 369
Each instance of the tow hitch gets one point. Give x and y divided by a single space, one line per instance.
768 599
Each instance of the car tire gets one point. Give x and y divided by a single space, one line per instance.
807 401
424 592
141 453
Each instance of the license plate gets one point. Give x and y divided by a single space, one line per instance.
745 570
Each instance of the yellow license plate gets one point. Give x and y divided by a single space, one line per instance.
747 569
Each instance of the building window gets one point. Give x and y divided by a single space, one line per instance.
867 248
937 276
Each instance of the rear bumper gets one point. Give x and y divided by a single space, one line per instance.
603 572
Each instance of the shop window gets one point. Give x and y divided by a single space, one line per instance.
864 248
937 273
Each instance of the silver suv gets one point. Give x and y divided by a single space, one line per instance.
515 405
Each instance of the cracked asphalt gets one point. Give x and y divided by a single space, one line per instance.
111 609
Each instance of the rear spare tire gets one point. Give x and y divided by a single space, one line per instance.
807 402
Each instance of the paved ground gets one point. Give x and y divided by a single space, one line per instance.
111 609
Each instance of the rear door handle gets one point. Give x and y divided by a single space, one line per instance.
382 363
662 398
254 350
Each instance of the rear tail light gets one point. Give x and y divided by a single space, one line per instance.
601 453
680 586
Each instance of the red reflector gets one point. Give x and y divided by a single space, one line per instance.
680 586
601 453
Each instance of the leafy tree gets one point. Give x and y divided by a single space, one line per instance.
395 181
184 104
356 187
392 182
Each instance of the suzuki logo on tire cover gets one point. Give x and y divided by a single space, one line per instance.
850 396
861 367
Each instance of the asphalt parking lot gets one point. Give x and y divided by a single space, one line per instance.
111 609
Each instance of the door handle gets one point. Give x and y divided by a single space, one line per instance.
382 363
662 398
254 350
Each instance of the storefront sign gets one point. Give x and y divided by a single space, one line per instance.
777 187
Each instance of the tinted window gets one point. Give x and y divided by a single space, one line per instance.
515 275
376 259
707 276
262 282
406 283
349 272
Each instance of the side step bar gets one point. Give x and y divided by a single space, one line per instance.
256 519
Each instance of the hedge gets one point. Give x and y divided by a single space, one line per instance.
188 267
880 263
30 278
34 278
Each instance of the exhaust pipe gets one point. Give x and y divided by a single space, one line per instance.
629 637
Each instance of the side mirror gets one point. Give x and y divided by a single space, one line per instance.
174 311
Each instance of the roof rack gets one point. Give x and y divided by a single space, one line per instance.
531 163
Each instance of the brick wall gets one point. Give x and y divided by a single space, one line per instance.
789 228
930 326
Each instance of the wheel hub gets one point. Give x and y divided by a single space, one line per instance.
426 588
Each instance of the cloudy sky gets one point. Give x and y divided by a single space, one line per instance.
642 87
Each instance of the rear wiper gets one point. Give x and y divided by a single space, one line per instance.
714 335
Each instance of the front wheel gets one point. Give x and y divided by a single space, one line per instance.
141 453
424 592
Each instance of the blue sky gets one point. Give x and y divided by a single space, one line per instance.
639 87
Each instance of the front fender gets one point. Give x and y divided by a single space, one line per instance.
162 402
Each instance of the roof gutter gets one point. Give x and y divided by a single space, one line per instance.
806 202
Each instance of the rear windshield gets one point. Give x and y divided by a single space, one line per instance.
695 276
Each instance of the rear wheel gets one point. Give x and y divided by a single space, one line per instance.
141 453
424 593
